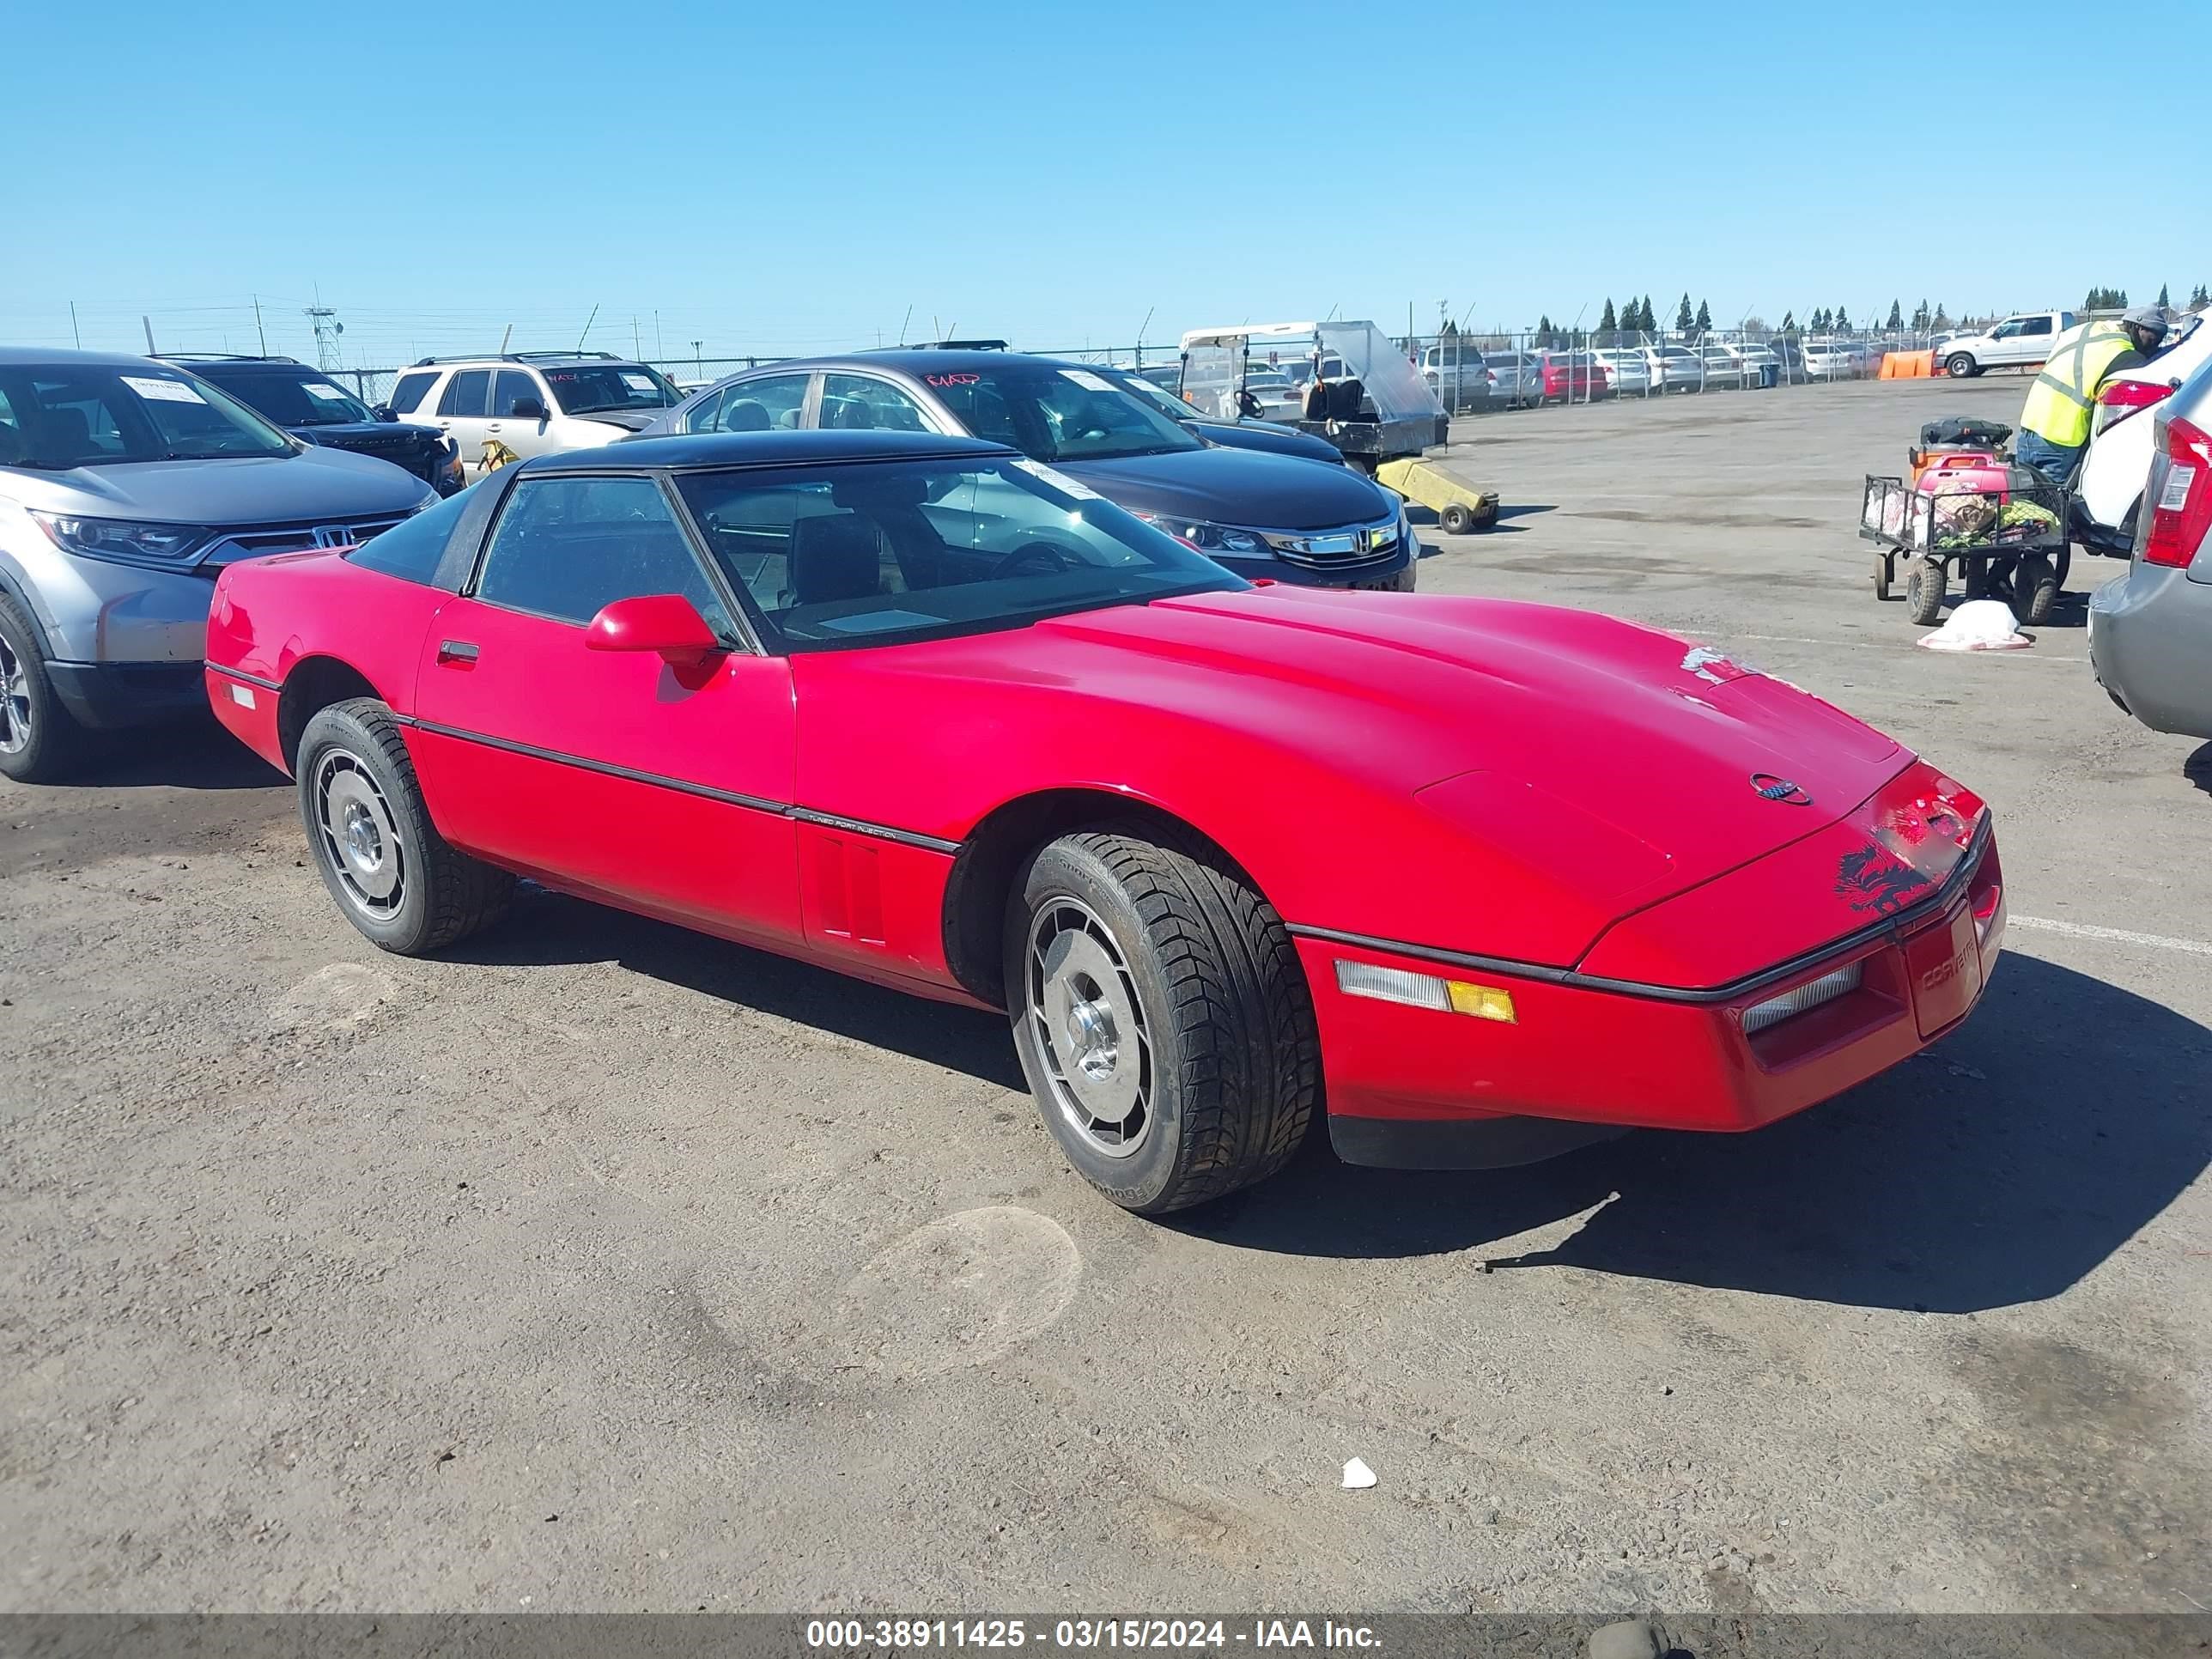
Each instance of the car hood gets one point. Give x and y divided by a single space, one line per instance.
1238 486
1268 437
1545 724
320 482
628 420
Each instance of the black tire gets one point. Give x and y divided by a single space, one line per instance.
1924 582
1885 577
1456 519
39 740
2034 589
1183 949
1959 366
408 891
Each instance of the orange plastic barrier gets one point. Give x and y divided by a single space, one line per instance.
1907 365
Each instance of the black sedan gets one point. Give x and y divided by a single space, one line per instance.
1264 515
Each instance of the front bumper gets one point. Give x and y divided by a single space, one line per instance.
110 696
1418 1087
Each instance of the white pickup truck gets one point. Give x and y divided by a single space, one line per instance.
2019 340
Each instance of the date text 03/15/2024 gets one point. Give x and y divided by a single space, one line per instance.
1084 1635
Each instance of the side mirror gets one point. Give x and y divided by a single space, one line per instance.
384 412
667 625
529 408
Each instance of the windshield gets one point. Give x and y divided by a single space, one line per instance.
1165 401
1054 414
830 557
597 387
68 415
302 397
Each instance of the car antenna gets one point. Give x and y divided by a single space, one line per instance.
904 320
504 338
586 334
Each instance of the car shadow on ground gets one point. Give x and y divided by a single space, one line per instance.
2197 768
2000 1168
549 928
196 754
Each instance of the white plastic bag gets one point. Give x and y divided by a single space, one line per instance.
1979 625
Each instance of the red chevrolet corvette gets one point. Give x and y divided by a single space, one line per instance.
1488 879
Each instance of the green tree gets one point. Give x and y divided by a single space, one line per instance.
1896 316
2163 303
1684 321
1544 333
1920 317
1941 319
1843 320
1608 324
1705 321
1788 322
2200 296
1644 319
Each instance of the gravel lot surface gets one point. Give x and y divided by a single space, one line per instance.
599 1266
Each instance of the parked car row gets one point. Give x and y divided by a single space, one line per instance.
127 484
1467 379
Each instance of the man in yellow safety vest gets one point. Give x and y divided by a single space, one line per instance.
2054 427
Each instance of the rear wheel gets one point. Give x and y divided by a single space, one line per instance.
1161 1015
1960 367
395 877
1456 519
1923 591
38 739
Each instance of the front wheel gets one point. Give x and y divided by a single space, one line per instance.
38 739
395 877
1161 1015
1456 519
1960 367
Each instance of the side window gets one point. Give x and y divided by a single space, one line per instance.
702 415
771 404
407 391
861 401
2007 330
12 446
466 393
513 384
2036 326
565 547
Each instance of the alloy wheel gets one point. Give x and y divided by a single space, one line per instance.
361 838
1090 1025
14 702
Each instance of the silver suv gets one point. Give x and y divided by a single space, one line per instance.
125 485
503 409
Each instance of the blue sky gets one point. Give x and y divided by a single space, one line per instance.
791 178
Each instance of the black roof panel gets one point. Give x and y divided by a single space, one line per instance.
800 449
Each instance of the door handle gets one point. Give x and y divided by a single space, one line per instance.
456 651
492 427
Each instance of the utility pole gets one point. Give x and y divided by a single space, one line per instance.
74 335
148 322
636 349
698 367
258 329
